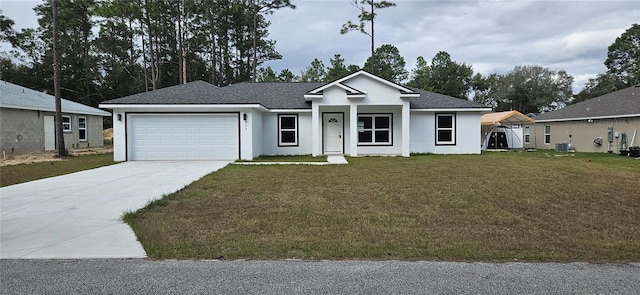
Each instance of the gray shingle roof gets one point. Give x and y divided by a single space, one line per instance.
272 95
18 97
432 100
196 92
276 95
621 103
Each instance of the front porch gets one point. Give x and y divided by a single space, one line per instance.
356 130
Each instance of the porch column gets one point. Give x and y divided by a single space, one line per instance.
315 130
406 129
353 130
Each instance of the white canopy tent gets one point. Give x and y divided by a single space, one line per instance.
503 130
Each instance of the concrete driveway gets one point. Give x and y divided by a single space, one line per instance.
79 215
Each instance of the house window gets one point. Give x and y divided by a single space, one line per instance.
287 130
445 129
547 134
526 134
82 128
66 124
375 129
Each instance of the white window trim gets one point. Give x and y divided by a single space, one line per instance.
527 135
545 134
280 130
452 129
64 129
373 130
86 134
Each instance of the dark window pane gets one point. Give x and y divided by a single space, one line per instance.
445 121
547 139
382 136
382 122
367 122
288 122
365 136
288 137
445 135
82 134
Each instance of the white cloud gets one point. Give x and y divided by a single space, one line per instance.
492 36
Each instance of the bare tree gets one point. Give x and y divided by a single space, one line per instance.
367 14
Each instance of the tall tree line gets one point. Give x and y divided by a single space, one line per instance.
140 45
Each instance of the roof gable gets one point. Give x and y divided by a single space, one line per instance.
621 103
405 92
17 97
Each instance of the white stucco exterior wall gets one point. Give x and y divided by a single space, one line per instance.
270 135
423 133
256 122
119 136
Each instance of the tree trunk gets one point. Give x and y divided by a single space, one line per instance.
255 46
181 40
152 52
62 151
212 35
373 56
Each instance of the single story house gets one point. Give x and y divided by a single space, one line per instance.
27 118
360 114
593 125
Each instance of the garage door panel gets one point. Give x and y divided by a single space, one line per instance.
184 137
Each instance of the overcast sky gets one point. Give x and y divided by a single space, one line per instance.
492 36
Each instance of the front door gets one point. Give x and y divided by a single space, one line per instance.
332 131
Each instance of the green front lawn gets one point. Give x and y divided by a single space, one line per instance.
15 174
538 206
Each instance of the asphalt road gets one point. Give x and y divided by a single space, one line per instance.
140 276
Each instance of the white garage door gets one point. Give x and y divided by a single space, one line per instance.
183 137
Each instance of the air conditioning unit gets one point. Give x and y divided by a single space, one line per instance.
562 147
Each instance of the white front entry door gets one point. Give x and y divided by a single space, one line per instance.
49 133
332 125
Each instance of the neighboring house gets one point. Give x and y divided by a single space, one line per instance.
27 120
586 124
360 114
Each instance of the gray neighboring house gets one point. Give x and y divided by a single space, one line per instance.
27 121
586 124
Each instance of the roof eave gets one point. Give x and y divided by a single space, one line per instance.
473 109
587 118
28 108
179 106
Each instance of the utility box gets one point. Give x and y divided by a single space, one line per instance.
562 147
610 134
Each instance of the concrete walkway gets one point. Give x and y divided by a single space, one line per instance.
331 160
79 215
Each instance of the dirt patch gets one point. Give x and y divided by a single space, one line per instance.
28 158
107 134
